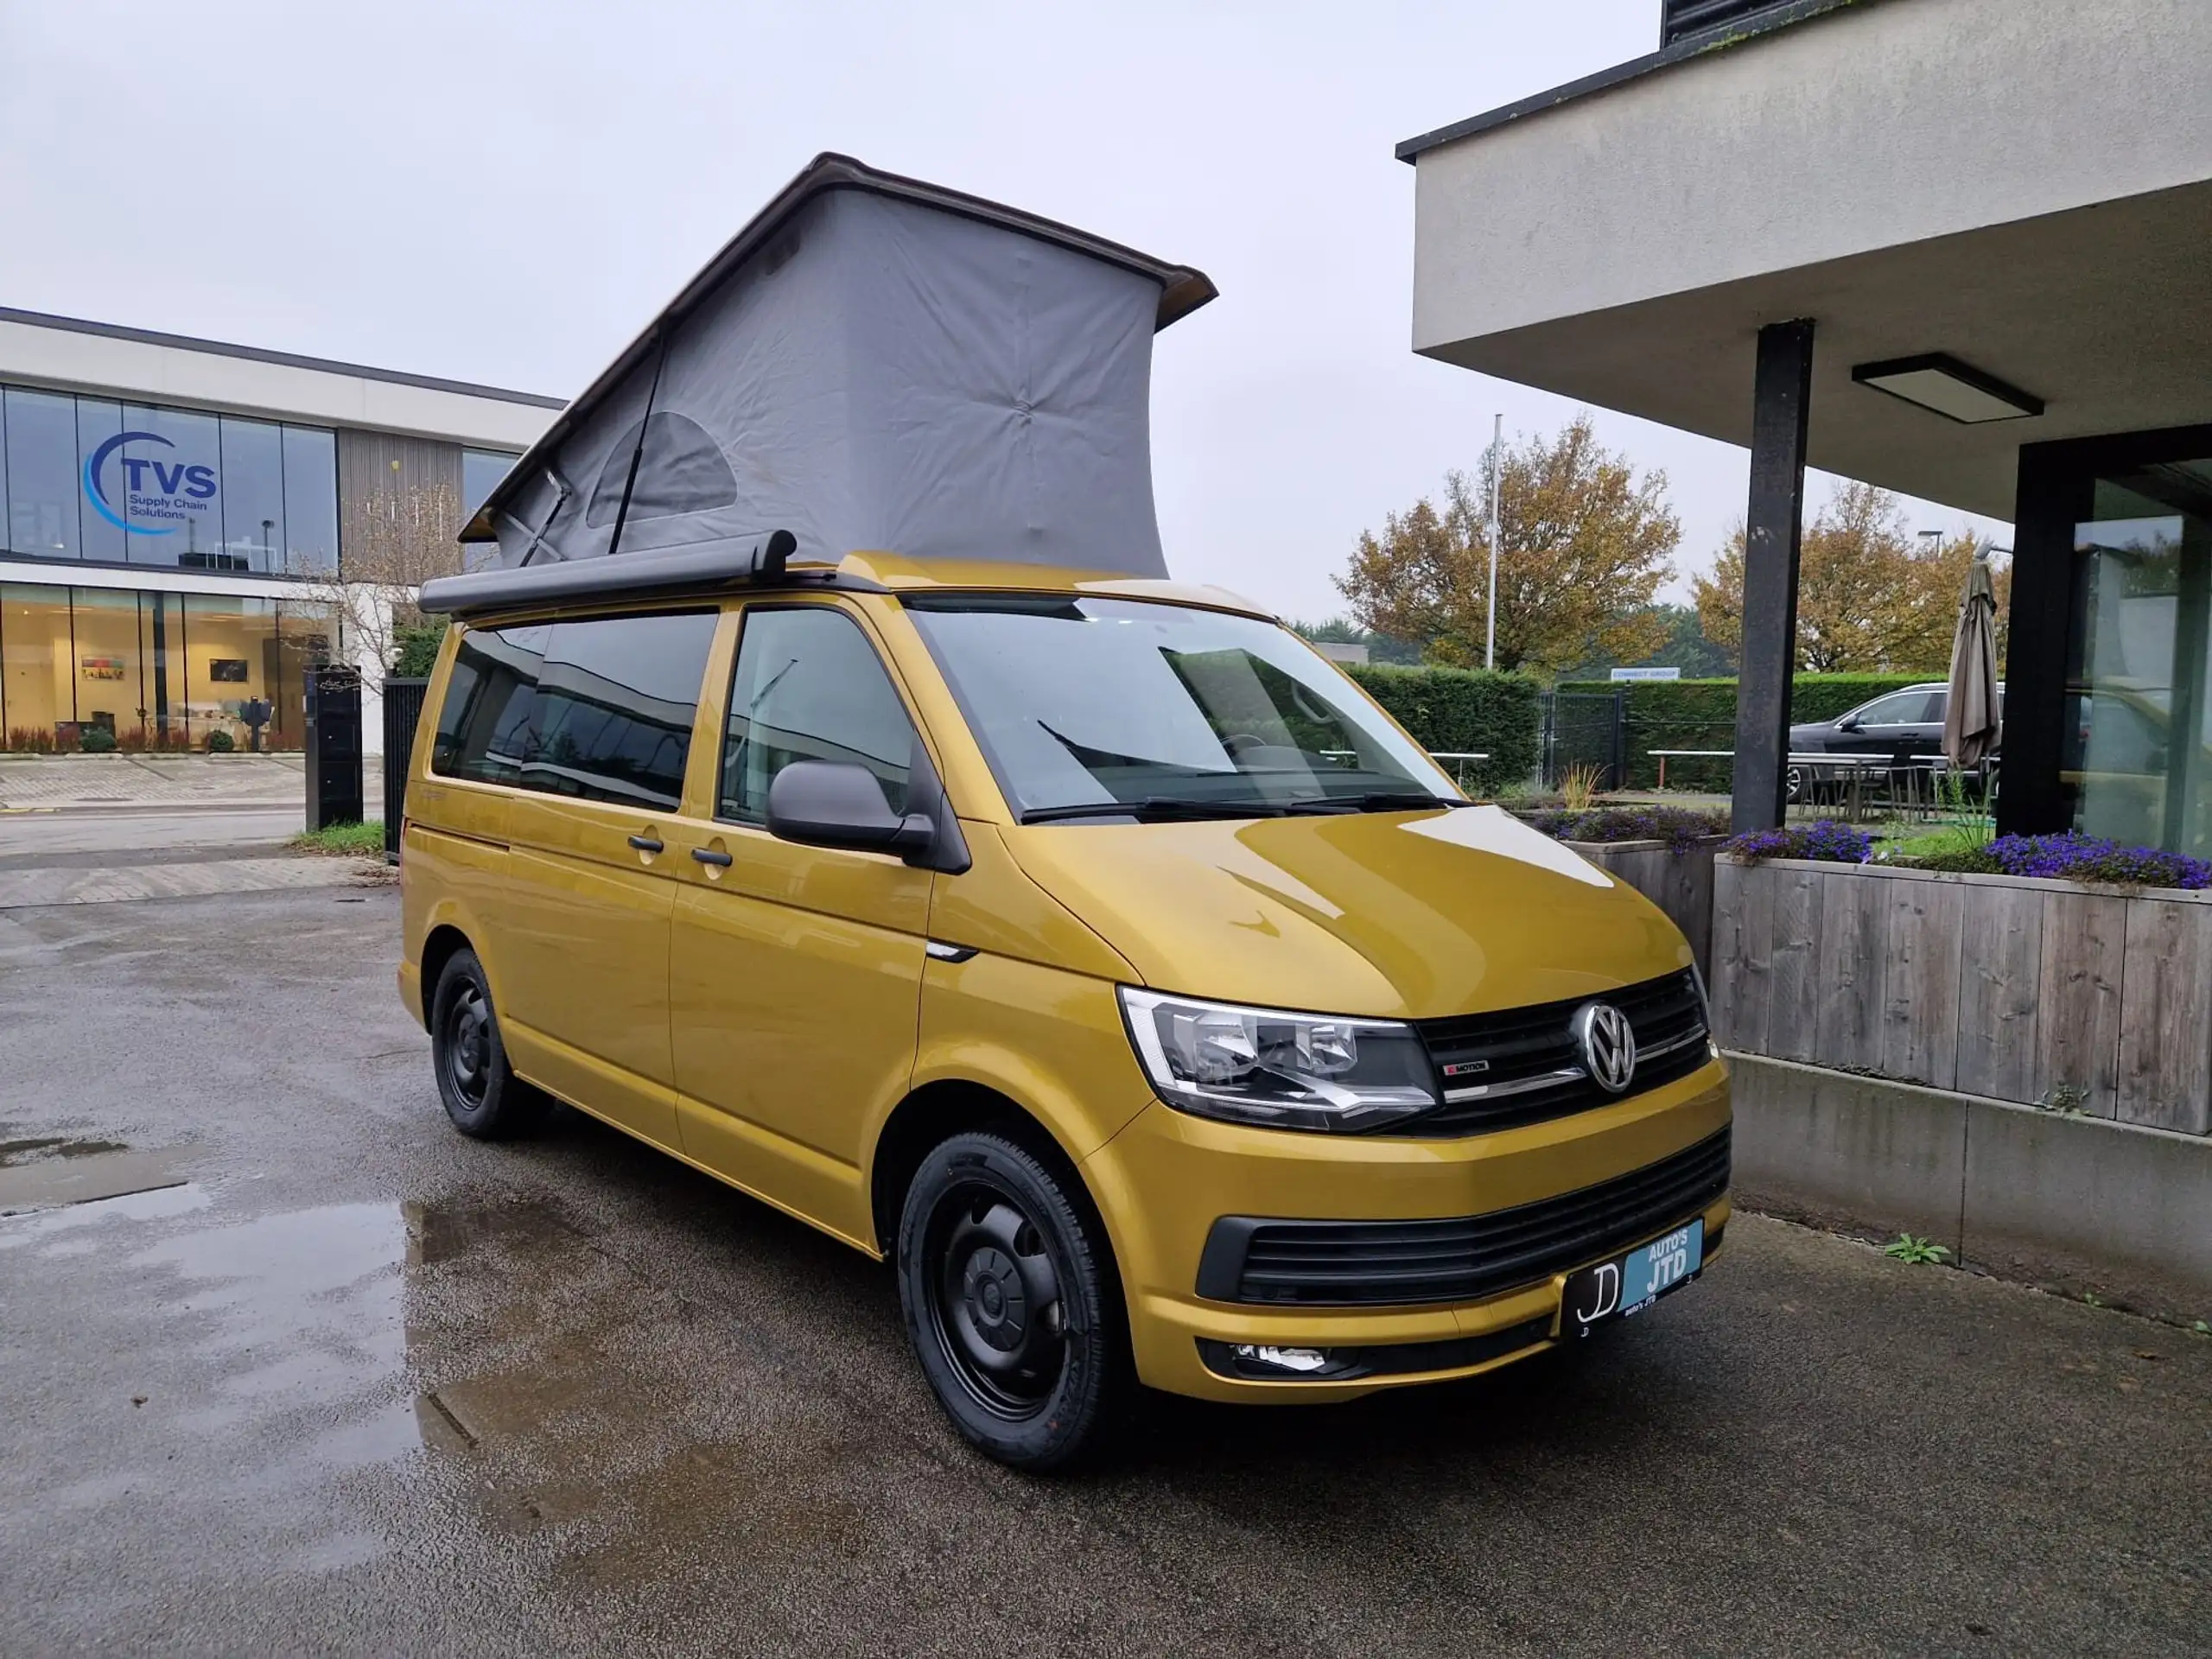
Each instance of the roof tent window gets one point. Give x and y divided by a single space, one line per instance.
681 470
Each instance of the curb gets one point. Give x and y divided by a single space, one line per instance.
147 809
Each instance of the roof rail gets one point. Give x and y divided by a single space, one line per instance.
625 575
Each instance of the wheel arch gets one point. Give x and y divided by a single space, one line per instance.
934 1113
443 943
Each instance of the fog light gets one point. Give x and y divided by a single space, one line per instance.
1284 1359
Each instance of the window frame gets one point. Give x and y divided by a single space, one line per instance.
919 763
553 621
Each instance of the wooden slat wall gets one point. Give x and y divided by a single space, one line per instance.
2027 991
1680 884
370 463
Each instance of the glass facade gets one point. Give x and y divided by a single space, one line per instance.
2137 755
91 479
480 470
156 670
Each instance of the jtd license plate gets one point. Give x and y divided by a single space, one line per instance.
1631 1283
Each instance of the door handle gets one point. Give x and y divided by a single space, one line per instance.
647 843
708 855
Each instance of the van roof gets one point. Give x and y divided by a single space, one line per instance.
763 568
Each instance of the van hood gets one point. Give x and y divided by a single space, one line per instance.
1396 915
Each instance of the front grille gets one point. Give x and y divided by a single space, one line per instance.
1520 1065
1458 1259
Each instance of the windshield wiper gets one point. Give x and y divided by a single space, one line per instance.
1377 800
1155 806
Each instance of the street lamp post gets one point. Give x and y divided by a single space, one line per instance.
1489 611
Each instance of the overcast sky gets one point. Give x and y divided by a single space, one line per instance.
505 192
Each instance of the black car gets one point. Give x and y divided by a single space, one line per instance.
1904 726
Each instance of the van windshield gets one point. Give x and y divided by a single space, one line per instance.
1118 707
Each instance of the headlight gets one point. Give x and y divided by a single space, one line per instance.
1286 1070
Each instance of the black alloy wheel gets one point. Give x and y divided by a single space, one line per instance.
481 1093
1012 1302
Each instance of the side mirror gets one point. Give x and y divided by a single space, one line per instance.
840 804
1848 723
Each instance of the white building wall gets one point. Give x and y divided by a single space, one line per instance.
109 367
1882 123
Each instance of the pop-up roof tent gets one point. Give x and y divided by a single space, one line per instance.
873 364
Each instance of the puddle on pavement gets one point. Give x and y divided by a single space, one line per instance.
53 1227
437 1232
40 1171
318 1366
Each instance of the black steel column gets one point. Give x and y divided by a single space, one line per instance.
2054 493
1781 400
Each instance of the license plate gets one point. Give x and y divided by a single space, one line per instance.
1631 1283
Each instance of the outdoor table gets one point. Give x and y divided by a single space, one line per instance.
1856 766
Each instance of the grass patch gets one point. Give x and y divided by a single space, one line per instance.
343 840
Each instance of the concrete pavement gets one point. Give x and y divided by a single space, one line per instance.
107 782
356 1384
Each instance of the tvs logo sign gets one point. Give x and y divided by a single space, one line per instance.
151 489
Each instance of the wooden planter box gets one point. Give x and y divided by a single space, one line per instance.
1680 884
2044 992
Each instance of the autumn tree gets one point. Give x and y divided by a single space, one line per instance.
1871 597
1584 543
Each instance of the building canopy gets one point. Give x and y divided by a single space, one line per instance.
873 364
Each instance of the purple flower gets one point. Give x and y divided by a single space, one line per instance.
1680 826
2074 856
1826 839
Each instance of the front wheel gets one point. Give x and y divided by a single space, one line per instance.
1012 1303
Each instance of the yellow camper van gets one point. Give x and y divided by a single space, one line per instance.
1082 942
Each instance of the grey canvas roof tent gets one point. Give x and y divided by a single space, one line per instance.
873 364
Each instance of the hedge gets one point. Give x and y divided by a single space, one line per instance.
1467 711
1701 715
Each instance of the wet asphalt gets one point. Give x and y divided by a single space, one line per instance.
356 1384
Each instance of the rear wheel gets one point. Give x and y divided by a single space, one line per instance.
481 1093
1012 1303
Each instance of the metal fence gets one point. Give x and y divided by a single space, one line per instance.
1586 730
403 711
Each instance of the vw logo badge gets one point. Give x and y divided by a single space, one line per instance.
1608 1044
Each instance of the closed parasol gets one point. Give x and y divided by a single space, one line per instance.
1971 720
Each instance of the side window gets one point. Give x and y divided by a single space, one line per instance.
616 700
1899 709
808 686
484 726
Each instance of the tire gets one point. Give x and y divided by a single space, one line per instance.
1794 781
1012 1303
481 1093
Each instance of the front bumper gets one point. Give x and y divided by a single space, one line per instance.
1164 1181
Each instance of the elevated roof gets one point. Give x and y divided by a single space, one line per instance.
1182 290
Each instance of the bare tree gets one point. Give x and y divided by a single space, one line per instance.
398 540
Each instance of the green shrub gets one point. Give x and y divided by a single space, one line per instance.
219 743
1467 711
95 739
1701 715
417 652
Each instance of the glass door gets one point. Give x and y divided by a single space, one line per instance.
2136 760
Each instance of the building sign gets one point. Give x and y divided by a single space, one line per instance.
1646 674
136 488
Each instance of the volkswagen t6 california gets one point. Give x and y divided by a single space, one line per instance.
1087 947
